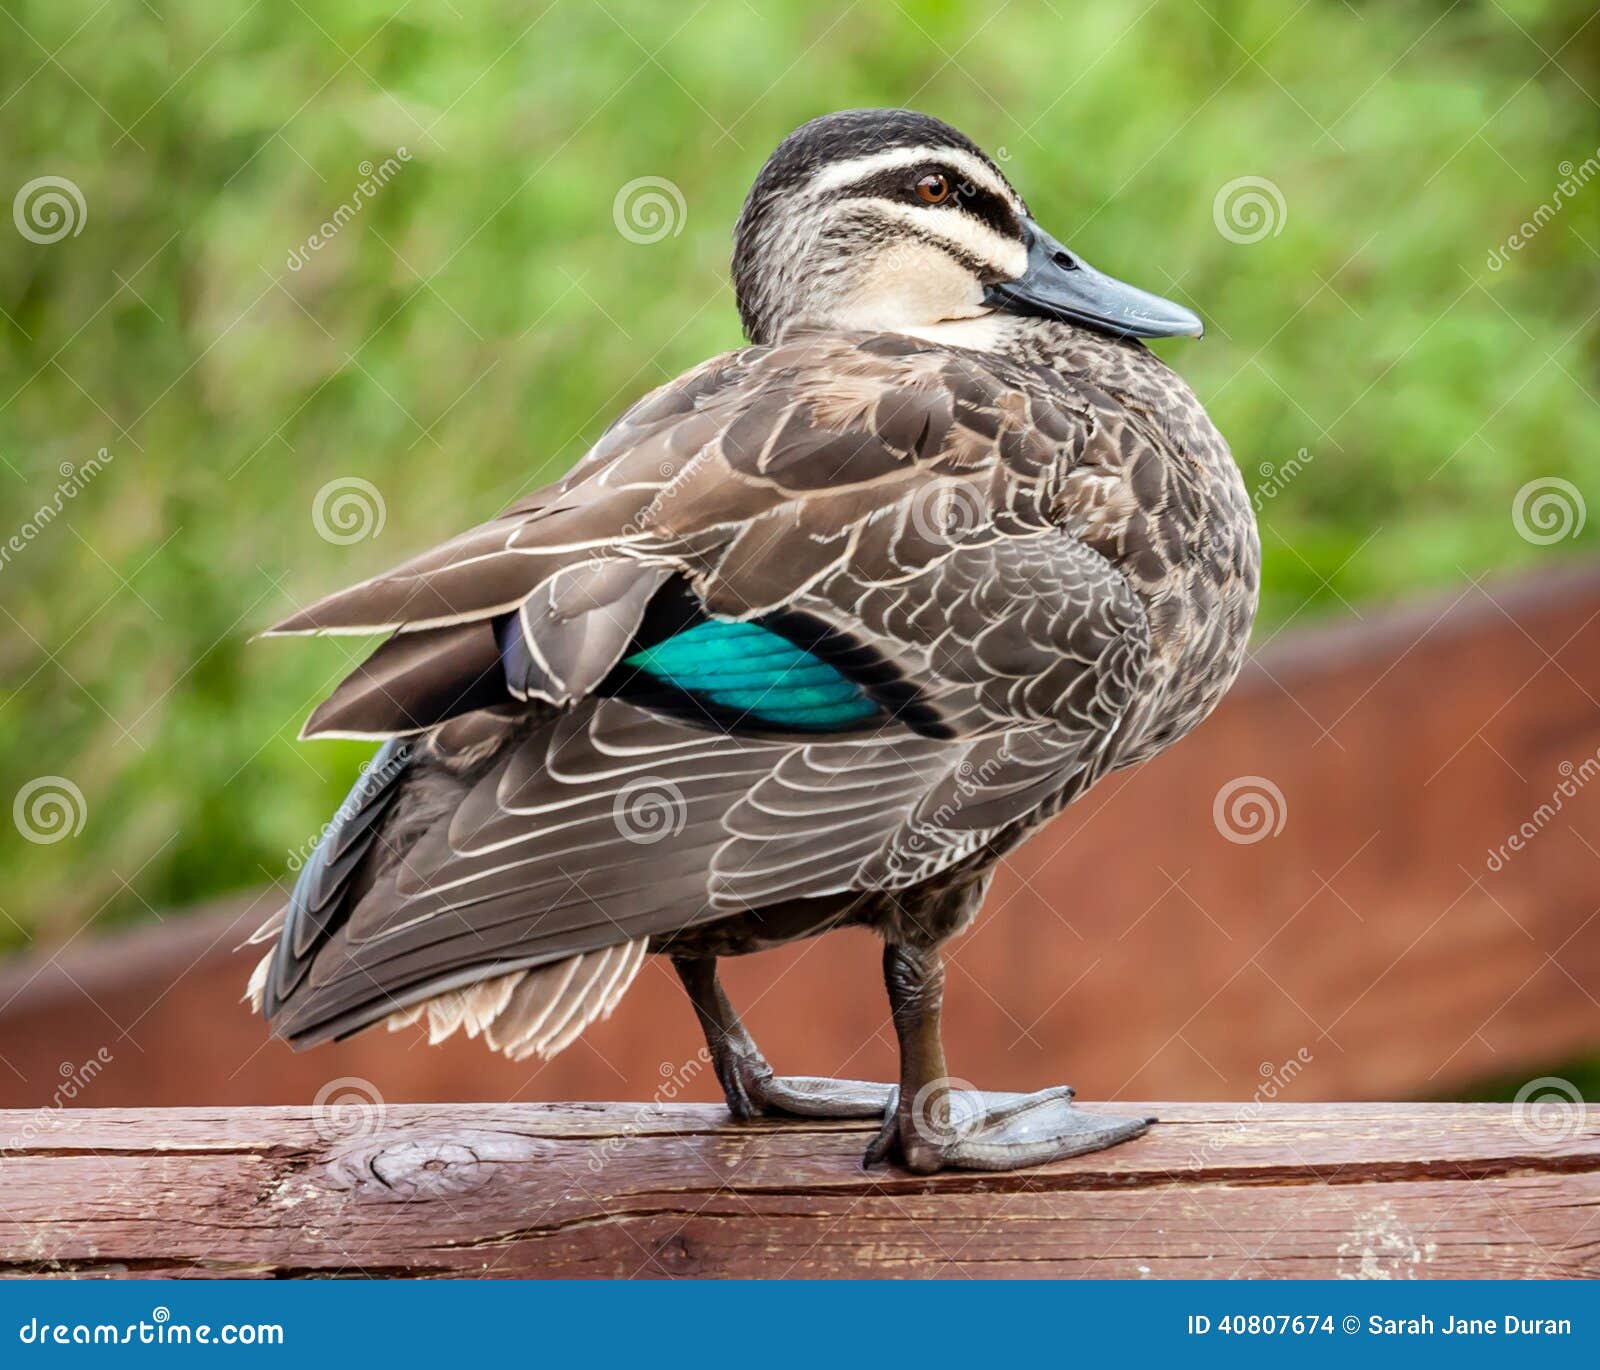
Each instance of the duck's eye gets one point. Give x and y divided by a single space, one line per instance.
933 189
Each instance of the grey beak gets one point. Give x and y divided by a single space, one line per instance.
1059 284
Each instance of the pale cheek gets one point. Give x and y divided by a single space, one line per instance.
910 283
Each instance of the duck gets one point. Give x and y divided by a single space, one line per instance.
810 639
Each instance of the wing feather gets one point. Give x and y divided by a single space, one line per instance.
899 502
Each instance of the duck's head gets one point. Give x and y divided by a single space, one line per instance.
886 219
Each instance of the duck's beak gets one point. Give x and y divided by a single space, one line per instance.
1059 284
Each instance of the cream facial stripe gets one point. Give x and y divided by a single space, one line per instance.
970 168
969 236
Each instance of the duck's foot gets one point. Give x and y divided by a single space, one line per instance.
808 1096
947 1128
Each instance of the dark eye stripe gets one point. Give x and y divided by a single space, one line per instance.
987 207
899 184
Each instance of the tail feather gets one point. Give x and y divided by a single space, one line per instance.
407 798
320 899
521 1013
536 1012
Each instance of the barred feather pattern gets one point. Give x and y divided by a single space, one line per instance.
1050 548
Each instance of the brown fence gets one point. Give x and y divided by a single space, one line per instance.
1328 1191
1389 939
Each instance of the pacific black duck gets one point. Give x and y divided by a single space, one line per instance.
812 637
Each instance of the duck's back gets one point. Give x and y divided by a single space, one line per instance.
820 619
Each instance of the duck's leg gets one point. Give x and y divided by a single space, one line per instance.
747 1080
934 1123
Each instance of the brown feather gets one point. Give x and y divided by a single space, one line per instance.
993 531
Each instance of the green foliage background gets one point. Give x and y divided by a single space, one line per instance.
478 322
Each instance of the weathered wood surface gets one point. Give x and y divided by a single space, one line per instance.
622 1191
1369 934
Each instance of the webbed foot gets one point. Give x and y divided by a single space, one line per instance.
952 1128
815 1096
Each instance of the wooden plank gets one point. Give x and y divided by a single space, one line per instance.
623 1191
1130 949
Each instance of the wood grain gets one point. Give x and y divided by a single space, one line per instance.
640 1191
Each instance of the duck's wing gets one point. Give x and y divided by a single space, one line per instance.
753 478
890 510
1030 651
